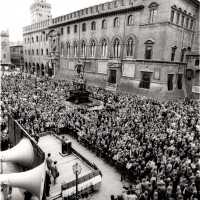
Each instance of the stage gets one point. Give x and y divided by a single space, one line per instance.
50 144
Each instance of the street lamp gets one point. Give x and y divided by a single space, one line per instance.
77 170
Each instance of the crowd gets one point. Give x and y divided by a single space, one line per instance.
155 143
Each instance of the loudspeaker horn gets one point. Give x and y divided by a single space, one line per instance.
32 180
21 154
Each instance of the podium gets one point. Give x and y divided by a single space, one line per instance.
66 147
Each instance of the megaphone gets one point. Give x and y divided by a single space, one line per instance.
21 154
32 180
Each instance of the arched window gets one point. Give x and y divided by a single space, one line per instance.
83 48
116 48
41 51
28 52
47 52
93 25
130 20
116 22
37 51
75 28
104 47
28 40
25 52
46 37
129 47
75 48
104 24
32 40
32 52
25 40
68 49
68 30
61 31
92 48
84 27
62 50
37 39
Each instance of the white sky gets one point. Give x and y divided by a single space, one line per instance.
15 14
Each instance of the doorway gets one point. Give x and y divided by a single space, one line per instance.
112 76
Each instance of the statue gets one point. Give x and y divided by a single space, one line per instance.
78 67
53 45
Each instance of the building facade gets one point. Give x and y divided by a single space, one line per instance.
137 46
5 49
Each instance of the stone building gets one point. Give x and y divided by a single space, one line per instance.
16 54
144 47
5 49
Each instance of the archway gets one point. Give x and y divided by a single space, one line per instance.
38 70
42 69
33 69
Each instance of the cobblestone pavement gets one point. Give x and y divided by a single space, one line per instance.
111 180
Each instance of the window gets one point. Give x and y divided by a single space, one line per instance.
177 18
116 48
170 81
104 24
61 31
68 49
4 55
37 51
75 48
102 6
62 50
146 80
129 47
68 30
37 39
75 28
84 27
93 25
46 37
25 40
29 52
191 24
32 40
130 20
149 49
182 20
47 52
28 40
197 62
153 8
32 52
183 54
104 48
172 16
116 22
25 52
179 81
187 22
41 51
189 74
92 48
83 48
173 53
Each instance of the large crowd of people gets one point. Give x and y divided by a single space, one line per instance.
154 143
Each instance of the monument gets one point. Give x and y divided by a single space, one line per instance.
78 93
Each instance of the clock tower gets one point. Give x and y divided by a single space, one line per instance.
5 49
40 11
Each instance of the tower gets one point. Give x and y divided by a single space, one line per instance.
5 48
40 10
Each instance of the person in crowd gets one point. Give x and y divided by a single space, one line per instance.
49 161
53 171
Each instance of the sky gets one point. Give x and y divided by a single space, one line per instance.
15 14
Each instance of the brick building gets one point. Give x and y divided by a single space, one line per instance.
140 46
16 54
